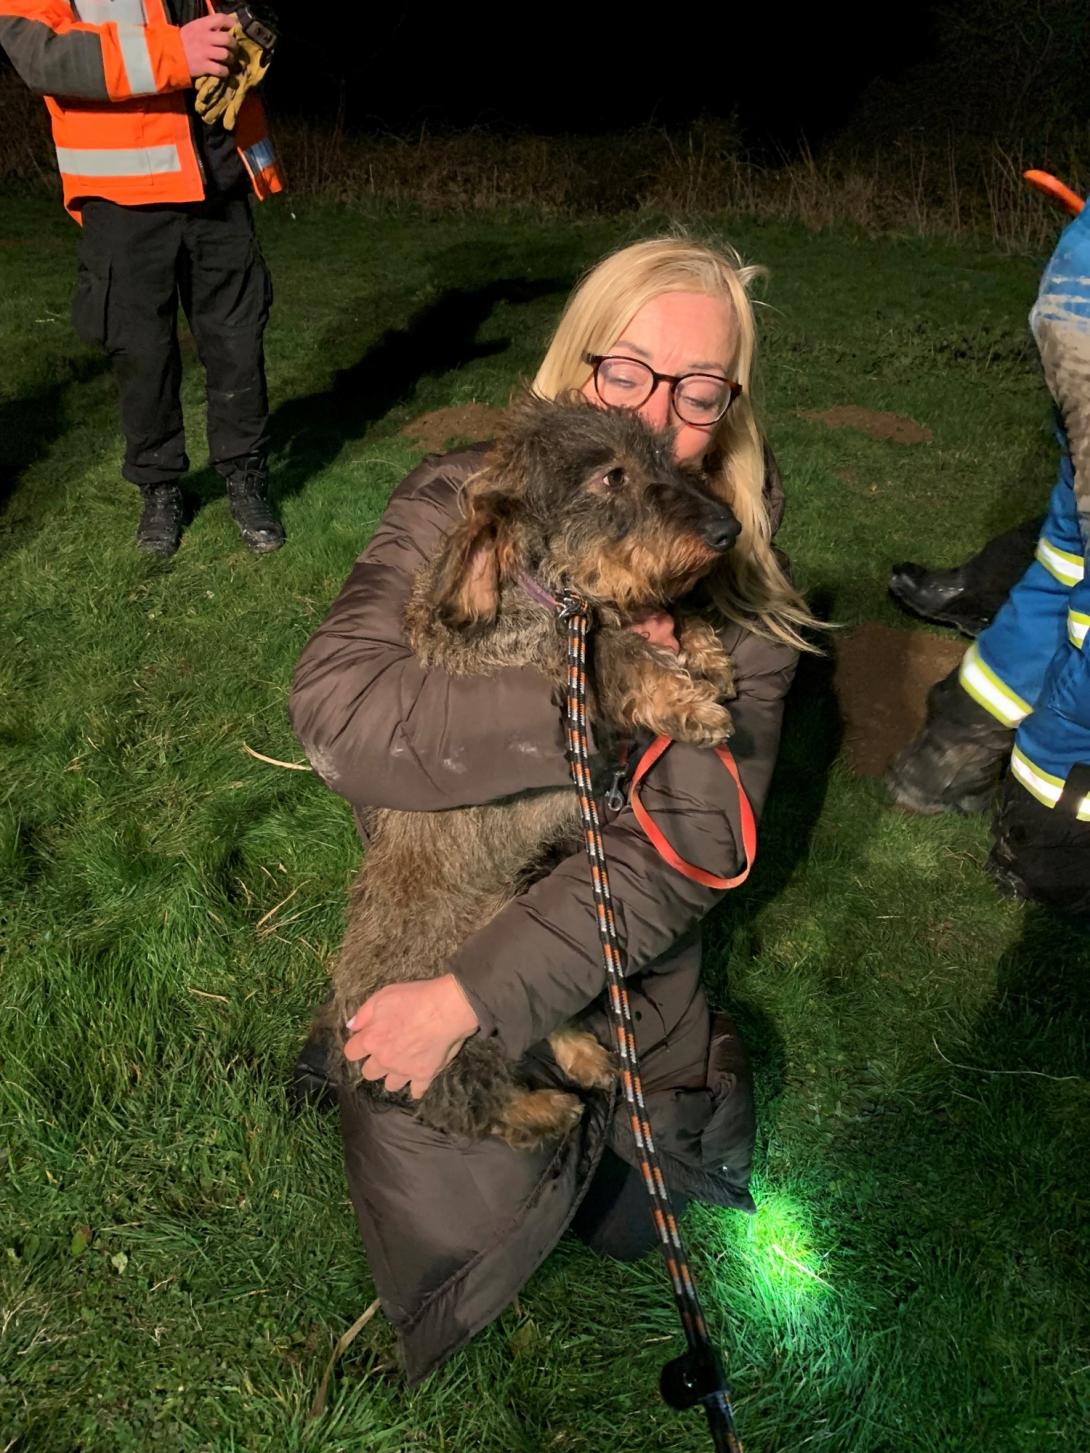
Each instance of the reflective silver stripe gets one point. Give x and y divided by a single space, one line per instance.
1078 624
134 52
101 12
131 22
147 161
260 155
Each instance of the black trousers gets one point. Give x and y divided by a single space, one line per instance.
614 1218
135 265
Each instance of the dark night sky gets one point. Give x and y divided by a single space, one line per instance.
1012 70
593 68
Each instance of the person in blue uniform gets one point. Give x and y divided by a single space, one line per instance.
1015 716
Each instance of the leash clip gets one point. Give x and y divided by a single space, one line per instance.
571 605
615 796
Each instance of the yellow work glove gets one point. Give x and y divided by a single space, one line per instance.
219 98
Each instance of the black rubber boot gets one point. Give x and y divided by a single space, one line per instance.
250 509
1042 854
956 762
968 596
938 596
309 1082
160 529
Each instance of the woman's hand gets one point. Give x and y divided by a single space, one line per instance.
407 1033
658 627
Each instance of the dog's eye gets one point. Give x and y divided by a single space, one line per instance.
614 478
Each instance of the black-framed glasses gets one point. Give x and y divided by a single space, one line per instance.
699 399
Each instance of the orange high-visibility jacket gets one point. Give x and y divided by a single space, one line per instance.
114 77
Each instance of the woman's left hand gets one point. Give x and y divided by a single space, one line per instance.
658 627
407 1033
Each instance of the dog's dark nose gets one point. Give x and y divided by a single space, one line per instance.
721 532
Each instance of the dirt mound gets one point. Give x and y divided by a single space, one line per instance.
882 679
458 424
876 424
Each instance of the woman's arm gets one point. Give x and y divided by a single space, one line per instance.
539 962
381 730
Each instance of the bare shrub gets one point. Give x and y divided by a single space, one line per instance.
958 188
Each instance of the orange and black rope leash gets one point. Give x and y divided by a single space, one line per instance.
697 1375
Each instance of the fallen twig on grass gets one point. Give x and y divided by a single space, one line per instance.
317 1407
980 1070
275 761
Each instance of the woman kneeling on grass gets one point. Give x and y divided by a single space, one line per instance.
453 1229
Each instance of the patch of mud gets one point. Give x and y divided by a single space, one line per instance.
875 423
459 424
882 679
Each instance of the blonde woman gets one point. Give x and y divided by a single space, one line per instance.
453 1230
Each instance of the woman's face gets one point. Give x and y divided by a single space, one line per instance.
677 333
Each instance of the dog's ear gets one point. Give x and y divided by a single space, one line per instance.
478 554
529 453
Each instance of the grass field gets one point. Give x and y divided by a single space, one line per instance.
178 1250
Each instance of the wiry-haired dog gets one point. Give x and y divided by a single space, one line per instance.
572 496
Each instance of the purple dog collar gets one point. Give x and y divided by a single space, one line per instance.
537 592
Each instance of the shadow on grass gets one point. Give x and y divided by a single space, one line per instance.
308 433
957 1195
29 425
1040 1016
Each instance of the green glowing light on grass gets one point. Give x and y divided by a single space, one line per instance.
778 1244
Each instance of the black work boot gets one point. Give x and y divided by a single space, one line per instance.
160 529
956 762
937 595
248 497
968 596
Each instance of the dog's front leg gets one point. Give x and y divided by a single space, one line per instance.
703 654
640 684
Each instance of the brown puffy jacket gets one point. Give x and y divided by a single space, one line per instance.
453 1231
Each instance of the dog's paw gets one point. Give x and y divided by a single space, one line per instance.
686 711
531 1117
702 654
585 1062
703 723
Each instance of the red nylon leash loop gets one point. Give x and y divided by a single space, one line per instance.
658 838
697 1376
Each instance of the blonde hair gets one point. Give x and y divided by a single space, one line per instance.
752 589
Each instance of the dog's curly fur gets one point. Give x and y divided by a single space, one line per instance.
571 496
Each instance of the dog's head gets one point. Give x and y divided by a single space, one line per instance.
584 498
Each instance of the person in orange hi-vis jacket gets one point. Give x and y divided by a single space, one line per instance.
164 200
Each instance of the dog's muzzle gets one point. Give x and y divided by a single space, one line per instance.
720 532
